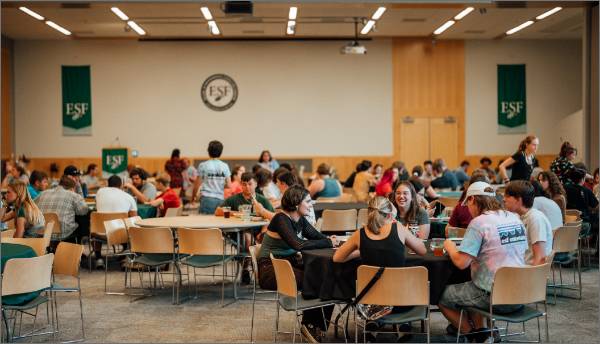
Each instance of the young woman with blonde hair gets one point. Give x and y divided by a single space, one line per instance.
28 217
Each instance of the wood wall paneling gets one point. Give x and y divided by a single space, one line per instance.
6 122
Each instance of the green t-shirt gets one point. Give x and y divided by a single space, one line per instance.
236 200
30 228
422 217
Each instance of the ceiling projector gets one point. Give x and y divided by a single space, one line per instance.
353 48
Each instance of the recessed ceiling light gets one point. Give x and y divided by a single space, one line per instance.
206 13
365 30
136 28
291 27
378 13
31 13
520 27
119 13
444 27
214 29
463 13
58 28
548 13
293 13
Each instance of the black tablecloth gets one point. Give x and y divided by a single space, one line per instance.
327 280
320 206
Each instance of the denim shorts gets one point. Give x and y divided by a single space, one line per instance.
208 205
467 294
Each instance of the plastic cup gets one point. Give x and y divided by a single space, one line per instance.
226 212
437 246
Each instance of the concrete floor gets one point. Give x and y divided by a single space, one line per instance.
113 318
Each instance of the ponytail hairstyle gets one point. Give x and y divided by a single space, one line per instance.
525 142
32 212
567 149
380 212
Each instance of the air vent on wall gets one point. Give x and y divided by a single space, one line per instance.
77 5
253 32
237 7
414 20
511 4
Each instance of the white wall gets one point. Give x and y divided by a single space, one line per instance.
553 82
296 98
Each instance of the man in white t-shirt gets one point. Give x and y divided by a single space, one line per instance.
112 199
518 198
213 177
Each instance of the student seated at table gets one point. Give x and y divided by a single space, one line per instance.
28 217
38 182
235 187
461 217
266 187
142 190
90 178
323 185
386 184
382 241
485 252
518 198
168 198
444 178
288 234
581 198
554 190
404 198
547 206
363 181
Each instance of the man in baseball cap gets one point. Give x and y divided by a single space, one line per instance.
479 189
73 173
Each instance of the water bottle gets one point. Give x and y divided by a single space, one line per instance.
84 190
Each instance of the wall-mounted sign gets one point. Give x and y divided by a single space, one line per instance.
512 102
114 161
77 100
219 92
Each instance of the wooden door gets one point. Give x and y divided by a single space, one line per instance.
414 141
443 134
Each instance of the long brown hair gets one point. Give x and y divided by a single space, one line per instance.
525 142
413 210
23 200
554 185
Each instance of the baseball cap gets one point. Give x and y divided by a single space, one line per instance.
479 189
72 171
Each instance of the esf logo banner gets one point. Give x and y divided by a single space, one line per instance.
512 109
77 110
219 92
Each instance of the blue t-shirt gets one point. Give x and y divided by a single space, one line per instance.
32 191
330 189
495 239
213 172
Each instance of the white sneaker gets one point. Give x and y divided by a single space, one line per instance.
99 263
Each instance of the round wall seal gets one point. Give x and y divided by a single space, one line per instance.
219 92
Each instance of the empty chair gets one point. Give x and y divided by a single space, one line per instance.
171 212
130 221
362 218
66 264
396 287
53 217
516 286
37 244
338 220
565 245
97 231
21 276
116 234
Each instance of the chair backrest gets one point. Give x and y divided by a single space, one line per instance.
460 232
327 199
67 259
116 232
37 244
254 251
339 220
48 233
396 287
151 240
200 241
347 198
573 212
578 222
569 219
566 239
26 275
9 233
448 201
284 275
53 217
172 212
130 221
97 220
530 281
362 218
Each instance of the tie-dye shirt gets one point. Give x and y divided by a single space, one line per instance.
495 239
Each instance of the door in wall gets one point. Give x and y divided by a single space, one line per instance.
428 139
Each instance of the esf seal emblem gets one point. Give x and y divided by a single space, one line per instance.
219 92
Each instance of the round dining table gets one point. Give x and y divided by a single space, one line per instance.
9 251
327 280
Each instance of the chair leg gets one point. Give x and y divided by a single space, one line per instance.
7 328
579 273
253 304
276 318
81 310
546 321
459 325
294 331
34 321
428 325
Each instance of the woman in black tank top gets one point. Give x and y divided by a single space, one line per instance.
382 241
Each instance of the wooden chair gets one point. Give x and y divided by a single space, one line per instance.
396 287
130 221
37 244
516 286
97 230
339 220
254 252
204 248
172 212
47 235
362 218
571 219
565 245
26 275
9 233
116 234
573 212
66 264
288 297
153 248
48 217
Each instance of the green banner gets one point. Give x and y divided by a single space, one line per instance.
77 100
512 104
114 161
